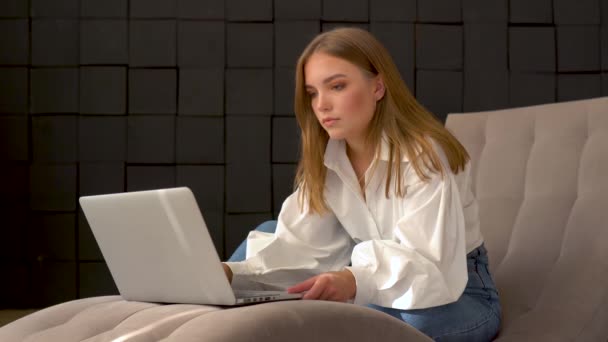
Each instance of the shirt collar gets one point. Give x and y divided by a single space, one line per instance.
335 152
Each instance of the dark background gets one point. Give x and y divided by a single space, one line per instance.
100 96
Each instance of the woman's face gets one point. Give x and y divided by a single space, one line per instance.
343 97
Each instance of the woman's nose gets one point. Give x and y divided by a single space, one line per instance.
323 104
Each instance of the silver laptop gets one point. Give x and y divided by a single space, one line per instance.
158 249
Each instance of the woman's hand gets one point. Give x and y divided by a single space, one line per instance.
228 272
335 286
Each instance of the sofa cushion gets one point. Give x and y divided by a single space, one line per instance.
113 319
541 178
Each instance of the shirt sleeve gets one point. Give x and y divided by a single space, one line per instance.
303 246
424 264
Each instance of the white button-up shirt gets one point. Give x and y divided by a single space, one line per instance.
404 252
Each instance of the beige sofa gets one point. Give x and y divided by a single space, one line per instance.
541 177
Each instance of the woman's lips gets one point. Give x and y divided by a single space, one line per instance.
328 122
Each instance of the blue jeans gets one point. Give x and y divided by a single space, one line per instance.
475 316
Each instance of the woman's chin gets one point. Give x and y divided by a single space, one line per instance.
334 134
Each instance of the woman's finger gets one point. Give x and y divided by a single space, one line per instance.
303 286
316 290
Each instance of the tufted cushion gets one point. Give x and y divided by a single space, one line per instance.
113 319
541 178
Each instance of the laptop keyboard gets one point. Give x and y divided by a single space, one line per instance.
252 293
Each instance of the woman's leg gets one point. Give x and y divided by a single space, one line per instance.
473 317
241 251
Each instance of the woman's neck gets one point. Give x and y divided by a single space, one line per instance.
360 157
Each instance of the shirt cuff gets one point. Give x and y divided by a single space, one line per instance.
242 275
364 288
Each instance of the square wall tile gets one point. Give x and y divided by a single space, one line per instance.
53 187
15 218
440 11
13 90
291 37
604 45
248 140
88 249
398 39
15 40
285 140
249 10
52 237
440 91
103 90
104 41
330 25
141 178
152 43
215 225
578 48
572 87
486 89
249 91
485 46
14 8
153 8
345 10
580 12
54 138
103 8
393 10
102 138
54 90
14 183
283 176
206 183
101 178
201 91
14 138
151 139
16 293
248 187
531 11
249 45
290 9
56 8
529 89
55 42
96 280
196 9
201 44
481 11
238 227
284 90
200 140
532 49
152 91
53 283
439 47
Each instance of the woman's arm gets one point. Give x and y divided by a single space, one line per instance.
304 245
424 265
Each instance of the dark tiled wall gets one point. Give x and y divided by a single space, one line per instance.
100 96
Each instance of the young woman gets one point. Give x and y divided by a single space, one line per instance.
382 214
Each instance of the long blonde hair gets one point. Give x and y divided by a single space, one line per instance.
405 123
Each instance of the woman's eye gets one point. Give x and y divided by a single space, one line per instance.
338 86
312 95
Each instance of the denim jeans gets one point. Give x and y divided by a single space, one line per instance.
475 316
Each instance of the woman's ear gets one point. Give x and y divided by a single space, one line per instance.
379 88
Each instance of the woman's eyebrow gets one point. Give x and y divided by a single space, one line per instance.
328 79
